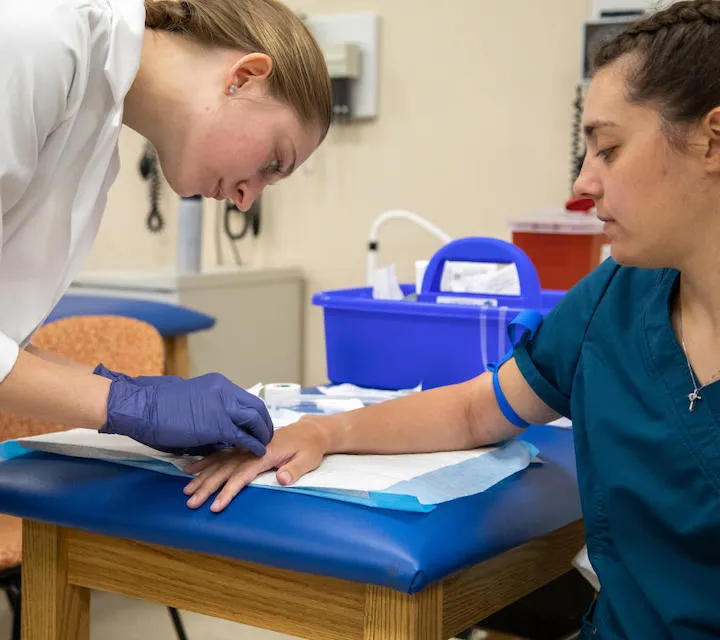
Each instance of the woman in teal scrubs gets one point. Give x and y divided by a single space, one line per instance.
632 354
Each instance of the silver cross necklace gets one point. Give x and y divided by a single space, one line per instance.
693 397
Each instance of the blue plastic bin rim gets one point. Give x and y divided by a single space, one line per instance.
343 299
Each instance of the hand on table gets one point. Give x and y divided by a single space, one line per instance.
294 451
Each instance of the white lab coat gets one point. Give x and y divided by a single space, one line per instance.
66 68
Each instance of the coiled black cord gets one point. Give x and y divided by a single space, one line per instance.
149 170
577 154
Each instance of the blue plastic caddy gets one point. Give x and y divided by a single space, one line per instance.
438 339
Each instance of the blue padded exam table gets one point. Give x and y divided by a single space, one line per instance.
173 322
292 563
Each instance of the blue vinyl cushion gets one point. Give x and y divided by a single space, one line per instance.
401 550
168 319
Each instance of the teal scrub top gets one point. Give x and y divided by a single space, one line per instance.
648 469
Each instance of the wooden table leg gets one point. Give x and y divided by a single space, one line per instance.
52 609
392 615
177 359
60 565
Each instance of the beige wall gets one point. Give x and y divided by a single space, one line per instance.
474 127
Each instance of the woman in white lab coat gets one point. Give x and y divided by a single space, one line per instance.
233 94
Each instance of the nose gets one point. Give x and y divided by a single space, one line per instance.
247 193
587 185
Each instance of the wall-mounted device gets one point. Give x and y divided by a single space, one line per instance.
190 235
617 8
230 221
343 62
350 43
236 225
598 32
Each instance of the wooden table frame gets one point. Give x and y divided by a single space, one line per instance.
61 565
177 359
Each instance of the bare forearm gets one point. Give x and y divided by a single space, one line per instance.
453 418
45 390
436 420
49 356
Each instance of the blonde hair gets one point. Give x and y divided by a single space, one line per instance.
299 76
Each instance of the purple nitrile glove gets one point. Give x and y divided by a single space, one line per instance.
180 415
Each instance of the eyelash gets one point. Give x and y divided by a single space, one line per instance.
274 168
606 154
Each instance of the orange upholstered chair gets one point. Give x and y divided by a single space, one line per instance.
121 344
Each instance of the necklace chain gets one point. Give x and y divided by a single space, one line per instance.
694 397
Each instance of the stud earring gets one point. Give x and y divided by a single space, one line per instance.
232 88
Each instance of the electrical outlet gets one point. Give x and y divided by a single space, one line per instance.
363 30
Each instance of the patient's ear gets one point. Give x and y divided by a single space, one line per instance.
710 129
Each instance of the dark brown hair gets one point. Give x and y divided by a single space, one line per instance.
675 63
299 76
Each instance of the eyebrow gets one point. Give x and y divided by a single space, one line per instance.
591 127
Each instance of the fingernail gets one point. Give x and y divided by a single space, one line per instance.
193 502
284 477
189 488
218 505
